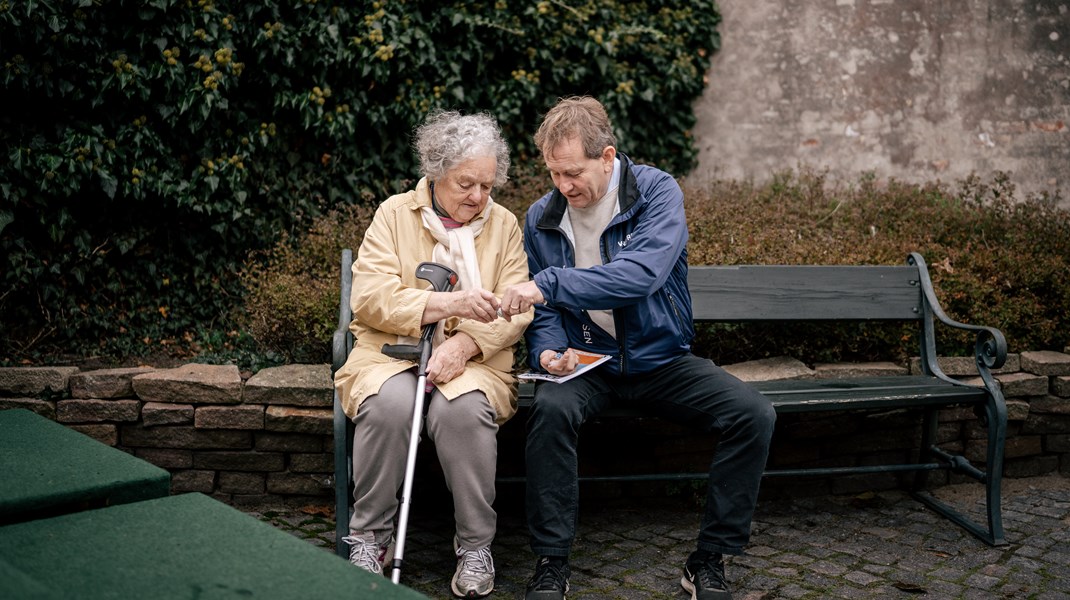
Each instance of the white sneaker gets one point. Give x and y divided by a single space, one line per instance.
365 553
475 572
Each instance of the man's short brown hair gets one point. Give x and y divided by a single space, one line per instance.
576 116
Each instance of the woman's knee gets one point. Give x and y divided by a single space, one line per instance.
384 412
392 406
462 414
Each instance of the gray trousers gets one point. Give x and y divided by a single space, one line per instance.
465 436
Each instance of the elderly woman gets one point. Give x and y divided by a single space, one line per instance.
451 219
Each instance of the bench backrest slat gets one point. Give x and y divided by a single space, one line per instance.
805 292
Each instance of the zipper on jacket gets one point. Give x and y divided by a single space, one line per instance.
603 241
622 361
676 311
571 245
618 319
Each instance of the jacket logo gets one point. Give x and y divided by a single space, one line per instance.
624 242
587 339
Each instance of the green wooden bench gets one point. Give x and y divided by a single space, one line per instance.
47 469
853 293
184 546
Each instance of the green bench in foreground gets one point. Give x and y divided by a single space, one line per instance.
807 293
181 547
47 469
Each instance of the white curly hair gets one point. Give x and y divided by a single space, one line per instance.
449 138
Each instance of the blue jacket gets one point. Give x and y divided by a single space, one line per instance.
643 279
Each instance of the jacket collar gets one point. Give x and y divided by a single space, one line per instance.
422 195
627 196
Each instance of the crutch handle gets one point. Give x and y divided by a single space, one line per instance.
403 351
442 279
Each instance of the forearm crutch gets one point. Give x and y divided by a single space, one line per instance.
442 279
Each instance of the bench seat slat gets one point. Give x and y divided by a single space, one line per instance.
805 395
876 392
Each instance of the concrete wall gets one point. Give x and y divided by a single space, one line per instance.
915 90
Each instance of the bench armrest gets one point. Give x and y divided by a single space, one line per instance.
342 341
990 347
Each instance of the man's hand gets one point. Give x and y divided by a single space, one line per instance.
519 299
559 363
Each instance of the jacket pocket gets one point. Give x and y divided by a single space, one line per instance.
681 324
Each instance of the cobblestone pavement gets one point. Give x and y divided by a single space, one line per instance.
881 545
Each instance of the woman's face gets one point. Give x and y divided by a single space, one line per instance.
464 191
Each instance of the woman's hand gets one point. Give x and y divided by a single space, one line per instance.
559 363
448 359
476 304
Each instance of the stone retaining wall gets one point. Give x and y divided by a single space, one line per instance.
261 442
268 440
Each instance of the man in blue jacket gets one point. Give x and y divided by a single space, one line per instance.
607 254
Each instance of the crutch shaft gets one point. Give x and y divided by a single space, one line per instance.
410 472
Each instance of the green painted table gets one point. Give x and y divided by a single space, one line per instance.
47 469
183 547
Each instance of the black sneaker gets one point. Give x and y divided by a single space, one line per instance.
704 577
550 581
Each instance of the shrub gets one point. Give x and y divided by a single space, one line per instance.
994 260
292 300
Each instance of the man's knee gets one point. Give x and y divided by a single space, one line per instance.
758 414
551 406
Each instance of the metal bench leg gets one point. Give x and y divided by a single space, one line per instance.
929 430
997 437
341 480
996 417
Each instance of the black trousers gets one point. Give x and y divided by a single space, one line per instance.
690 390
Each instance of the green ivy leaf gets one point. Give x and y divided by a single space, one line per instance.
108 183
6 218
15 156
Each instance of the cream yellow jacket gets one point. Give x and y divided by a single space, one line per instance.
388 300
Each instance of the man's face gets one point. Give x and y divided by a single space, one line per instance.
464 191
582 180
